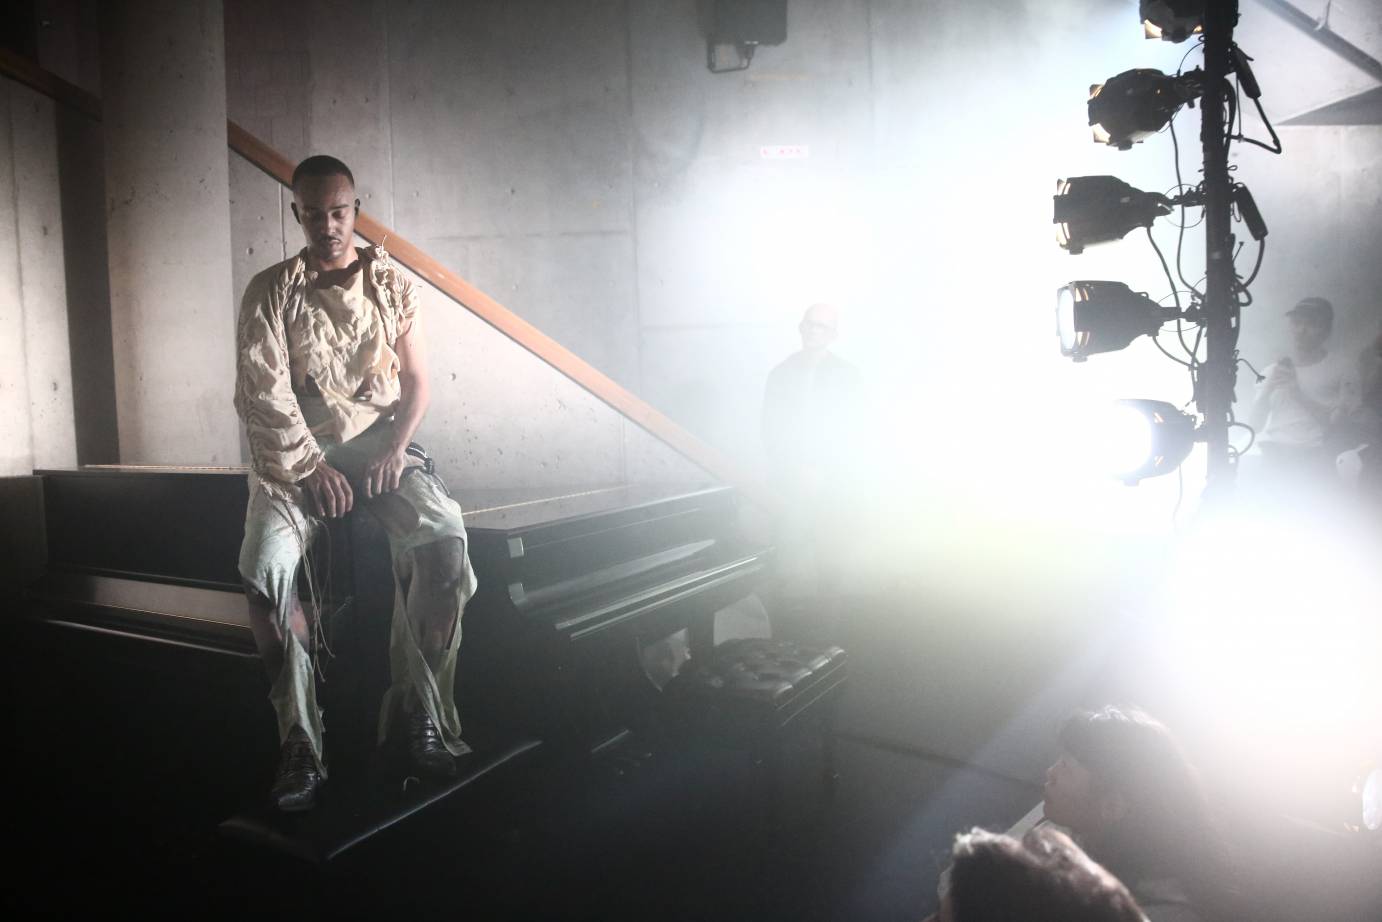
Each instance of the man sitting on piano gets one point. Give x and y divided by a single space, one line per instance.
331 386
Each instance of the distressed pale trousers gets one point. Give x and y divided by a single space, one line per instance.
279 535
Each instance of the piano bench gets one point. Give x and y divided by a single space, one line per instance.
751 692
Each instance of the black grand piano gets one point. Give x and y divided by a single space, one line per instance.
135 638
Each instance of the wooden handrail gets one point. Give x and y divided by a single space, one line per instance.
553 353
27 72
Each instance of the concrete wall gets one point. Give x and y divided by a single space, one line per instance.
168 230
36 411
68 46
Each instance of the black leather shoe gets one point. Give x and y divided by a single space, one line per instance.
425 747
295 788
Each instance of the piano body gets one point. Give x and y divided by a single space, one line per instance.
141 590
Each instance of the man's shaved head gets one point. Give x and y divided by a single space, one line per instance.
320 167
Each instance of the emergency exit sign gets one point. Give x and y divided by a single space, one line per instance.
784 152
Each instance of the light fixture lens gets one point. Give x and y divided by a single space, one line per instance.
1372 800
1126 441
1065 320
1172 20
1099 316
1144 438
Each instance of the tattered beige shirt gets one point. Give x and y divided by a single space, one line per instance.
318 363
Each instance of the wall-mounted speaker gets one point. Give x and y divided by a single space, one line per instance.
750 22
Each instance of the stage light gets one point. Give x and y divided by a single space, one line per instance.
1137 104
1371 790
1094 317
1172 20
1145 438
1100 209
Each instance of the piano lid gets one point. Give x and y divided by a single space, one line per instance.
516 510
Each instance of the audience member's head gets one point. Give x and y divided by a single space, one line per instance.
818 327
1123 786
1312 320
1045 877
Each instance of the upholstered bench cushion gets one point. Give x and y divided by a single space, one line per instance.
754 673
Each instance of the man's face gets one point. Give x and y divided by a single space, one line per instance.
1071 800
325 207
817 329
1308 332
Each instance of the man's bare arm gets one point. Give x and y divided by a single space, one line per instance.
384 473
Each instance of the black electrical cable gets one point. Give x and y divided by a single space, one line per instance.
1180 235
1164 298
1195 349
1199 43
1163 350
1252 436
1190 352
1242 295
1275 147
1276 141
1175 293
1253 368
1257 265
1231 113
1180 184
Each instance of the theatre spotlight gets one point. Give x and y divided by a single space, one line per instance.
1371 789
1100 209
1172 20
1145 438
1094 317
1137 104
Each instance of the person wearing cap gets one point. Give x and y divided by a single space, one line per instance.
1302 397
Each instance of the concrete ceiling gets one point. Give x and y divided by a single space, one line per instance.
1303 81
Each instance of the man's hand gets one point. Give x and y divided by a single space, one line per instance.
328 491
382 474
1283 374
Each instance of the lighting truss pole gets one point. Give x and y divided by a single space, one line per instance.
1214 387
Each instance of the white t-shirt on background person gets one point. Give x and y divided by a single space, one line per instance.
1290 422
